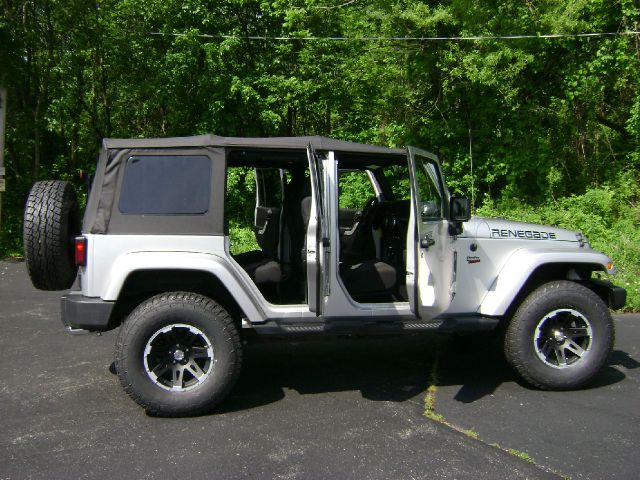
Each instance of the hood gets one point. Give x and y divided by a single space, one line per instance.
502 229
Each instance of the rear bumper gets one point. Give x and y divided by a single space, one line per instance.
87 313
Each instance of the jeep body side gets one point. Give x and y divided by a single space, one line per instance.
155 239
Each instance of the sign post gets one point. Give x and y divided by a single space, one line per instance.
3 116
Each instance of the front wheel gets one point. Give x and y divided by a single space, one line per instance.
560 336
178 354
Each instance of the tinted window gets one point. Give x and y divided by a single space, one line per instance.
429 192
166 185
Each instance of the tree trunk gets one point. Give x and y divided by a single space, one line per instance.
36 139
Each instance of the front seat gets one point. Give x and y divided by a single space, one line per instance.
372 280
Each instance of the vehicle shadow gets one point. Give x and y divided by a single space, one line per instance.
478 365
395 369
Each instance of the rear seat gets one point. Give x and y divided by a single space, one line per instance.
262 269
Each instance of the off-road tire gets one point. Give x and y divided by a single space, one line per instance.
159 313
51 221
581 304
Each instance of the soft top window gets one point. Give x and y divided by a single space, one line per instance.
166 185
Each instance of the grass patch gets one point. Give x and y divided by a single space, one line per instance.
430 405
522 455
517 453
430 396
471 433
529 459
430 402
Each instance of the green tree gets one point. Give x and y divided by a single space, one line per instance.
549 118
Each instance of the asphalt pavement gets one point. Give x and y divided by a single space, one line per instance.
592 433
341 408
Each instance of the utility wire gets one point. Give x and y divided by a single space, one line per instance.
336 6
403 39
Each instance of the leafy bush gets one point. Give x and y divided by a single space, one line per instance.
241 238
609 216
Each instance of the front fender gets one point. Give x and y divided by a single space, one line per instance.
242 291
523 263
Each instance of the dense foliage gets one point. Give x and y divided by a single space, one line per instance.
553 122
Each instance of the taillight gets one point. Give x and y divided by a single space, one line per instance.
81 251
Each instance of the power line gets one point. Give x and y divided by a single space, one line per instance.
402 39
336 6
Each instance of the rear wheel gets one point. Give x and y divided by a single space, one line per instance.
560 337
51 221
178 354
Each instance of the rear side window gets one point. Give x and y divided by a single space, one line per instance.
166 185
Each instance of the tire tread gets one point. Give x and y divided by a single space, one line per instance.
48 213
169 301
515 352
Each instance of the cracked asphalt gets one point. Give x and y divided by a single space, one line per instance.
340 408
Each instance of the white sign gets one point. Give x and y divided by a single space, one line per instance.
1 171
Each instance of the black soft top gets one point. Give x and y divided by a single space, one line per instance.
279 143
102 215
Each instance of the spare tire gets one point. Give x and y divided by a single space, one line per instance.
51 221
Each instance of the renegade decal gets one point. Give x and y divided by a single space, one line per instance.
471 260
528 234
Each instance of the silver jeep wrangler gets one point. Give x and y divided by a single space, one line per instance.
153 255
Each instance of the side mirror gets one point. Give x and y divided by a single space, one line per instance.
459 209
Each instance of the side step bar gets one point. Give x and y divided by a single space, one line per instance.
349 326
